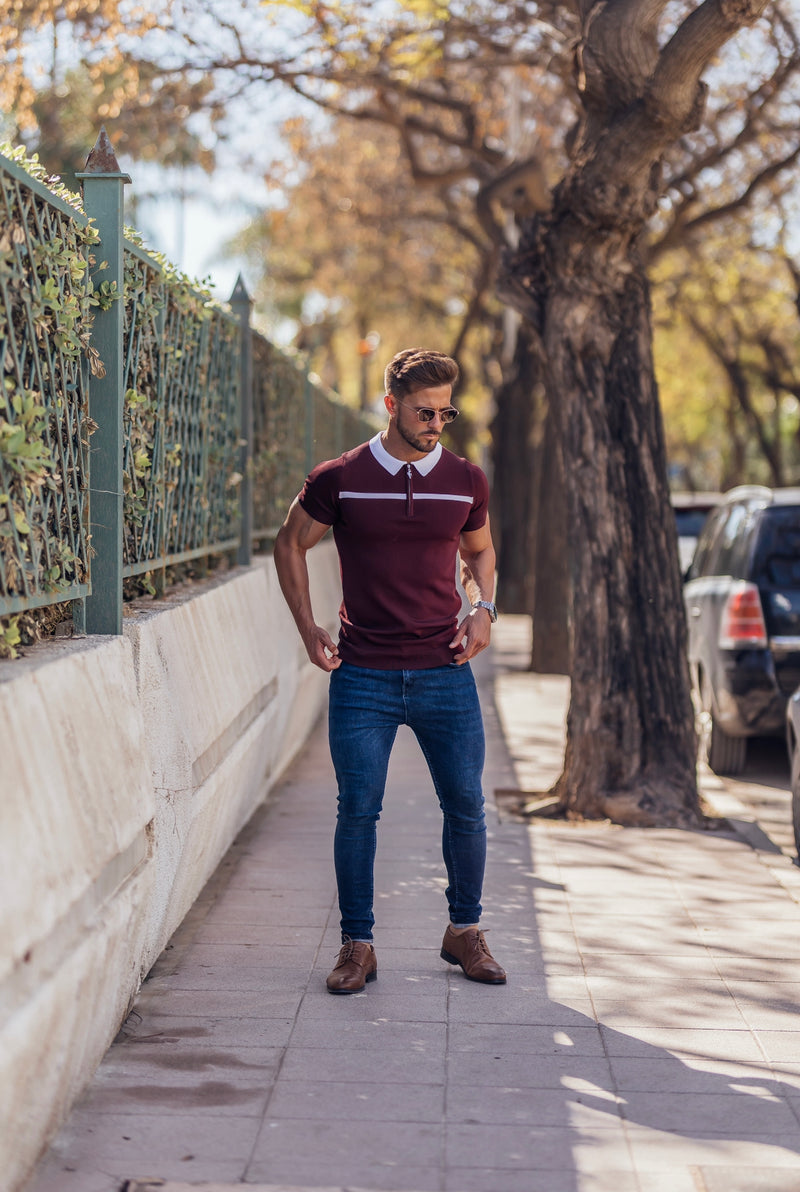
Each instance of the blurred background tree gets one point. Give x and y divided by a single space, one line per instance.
728 350
364 264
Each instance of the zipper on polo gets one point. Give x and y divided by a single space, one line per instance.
409 493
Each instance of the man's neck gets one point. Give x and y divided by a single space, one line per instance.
398 448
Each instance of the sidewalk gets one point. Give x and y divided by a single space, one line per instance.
648 1039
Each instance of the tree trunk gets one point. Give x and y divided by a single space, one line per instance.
577 277
631 747
529 510
550 652
517 429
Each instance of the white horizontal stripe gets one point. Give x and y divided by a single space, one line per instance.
402 497
374 496
441 497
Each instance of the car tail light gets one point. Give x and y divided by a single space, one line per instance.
742 623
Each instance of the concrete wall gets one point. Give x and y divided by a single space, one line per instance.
127 766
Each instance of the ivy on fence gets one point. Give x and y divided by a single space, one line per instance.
181 431
182 370
46 304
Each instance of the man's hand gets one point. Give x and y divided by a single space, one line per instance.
321 649
474 632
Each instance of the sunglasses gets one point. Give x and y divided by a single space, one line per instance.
426 414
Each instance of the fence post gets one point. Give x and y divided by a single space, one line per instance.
242 305
103 199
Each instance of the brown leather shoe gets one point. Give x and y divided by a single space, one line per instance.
470 951
356 965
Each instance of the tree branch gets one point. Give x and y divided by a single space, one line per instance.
672 96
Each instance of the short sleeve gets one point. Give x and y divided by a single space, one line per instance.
319 496
480 502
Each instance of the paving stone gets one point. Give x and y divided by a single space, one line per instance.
480 1179
749 1179
656 1149
219 1003
498 1105
54 1176
396 1155
351 1063
258 935
691 1074
152 1062
372 1034
735 1114
496 1067
216 1032
523 1039
147 1144
313 1100
538 1148
739 1045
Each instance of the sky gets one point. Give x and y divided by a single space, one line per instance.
193 232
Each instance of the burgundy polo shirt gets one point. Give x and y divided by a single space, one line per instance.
397 528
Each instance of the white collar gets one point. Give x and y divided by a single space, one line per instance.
393 465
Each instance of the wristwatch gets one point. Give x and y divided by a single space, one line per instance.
490 608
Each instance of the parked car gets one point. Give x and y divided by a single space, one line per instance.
691 511
742 597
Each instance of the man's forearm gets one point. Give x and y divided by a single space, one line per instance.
478 575
292 569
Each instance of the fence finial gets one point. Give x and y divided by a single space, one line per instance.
102 159
240 293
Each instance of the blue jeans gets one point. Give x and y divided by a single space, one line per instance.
441 707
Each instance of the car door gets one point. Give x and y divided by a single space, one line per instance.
708 586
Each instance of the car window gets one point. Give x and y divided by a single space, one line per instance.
707 543
729 548
777 560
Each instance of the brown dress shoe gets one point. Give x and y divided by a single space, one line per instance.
356 965
470 951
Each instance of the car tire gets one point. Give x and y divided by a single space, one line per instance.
722 753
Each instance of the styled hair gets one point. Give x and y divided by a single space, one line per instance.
418 368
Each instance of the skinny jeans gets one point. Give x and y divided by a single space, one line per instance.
441 707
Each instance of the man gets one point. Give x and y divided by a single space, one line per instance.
401 508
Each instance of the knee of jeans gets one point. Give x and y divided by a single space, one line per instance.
354 818
466 819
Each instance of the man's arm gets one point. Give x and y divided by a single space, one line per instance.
477 576
295 539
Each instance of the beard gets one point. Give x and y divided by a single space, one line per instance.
420 441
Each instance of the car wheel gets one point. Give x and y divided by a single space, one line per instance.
722 753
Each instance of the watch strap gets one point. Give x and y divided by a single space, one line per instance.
489 606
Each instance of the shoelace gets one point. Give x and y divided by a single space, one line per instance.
477 942
346 952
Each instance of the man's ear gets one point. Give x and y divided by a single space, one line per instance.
390 404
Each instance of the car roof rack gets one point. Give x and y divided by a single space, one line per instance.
749 492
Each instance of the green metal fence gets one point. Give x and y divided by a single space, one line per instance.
44 317
141 425
297 423
181 379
